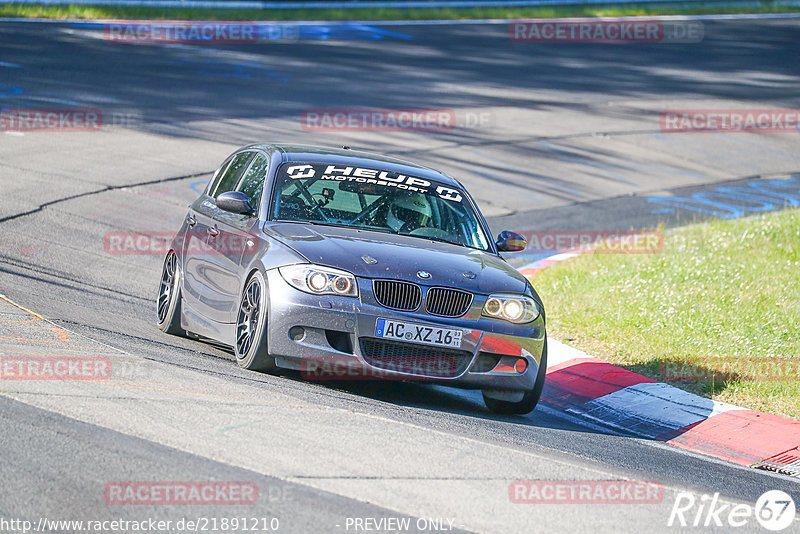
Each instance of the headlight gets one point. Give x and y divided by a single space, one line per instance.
510 307
320 280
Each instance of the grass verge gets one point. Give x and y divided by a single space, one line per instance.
153 13
717 312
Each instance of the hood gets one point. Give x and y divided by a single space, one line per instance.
399 257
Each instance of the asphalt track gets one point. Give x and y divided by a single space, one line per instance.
549 136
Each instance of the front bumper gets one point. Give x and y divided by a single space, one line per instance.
334 334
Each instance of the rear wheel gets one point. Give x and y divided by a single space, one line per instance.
168 303
251 322
529 400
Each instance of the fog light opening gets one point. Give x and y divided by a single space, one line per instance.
297 333
521 365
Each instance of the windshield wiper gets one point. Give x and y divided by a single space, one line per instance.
337 225
437 239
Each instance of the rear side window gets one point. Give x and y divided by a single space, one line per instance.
231 176
253 182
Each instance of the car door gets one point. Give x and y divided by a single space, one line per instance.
211 266
236 237
193 240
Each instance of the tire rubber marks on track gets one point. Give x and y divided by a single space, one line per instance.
579 159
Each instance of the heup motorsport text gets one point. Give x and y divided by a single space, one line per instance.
372 176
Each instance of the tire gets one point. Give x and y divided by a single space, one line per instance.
250 345
529 400
168 302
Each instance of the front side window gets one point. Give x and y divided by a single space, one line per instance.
232 174
252 183
374 199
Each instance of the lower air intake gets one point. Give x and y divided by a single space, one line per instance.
409 358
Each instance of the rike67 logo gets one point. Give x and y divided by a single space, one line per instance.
774 510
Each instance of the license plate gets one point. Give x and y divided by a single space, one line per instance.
417 333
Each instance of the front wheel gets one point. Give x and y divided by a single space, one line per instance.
168 303
529 400
251 321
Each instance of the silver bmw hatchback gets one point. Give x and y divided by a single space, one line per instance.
349 265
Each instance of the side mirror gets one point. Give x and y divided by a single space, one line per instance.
508 241
235 202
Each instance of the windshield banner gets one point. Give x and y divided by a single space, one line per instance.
368 180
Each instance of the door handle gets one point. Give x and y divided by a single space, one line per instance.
213 231
190 220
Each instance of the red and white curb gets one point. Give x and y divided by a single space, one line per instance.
537 266
611 397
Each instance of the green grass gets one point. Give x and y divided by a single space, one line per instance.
148 13
723 293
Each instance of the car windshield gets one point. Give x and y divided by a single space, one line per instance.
373 199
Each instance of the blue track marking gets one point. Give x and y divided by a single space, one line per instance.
380 32
733 202
275 31
346 31
8 90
